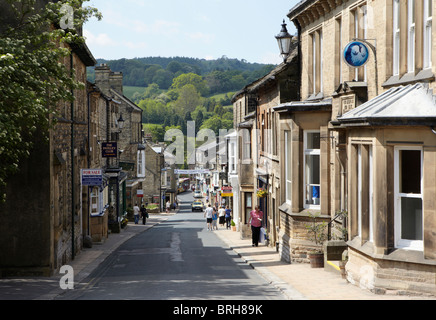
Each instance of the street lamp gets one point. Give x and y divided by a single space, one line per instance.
284 40
121 122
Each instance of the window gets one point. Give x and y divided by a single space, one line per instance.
141 163
360 22
396 40
232 157
365 192
248 206
312 169
412 39
246 144
408 198
411 35
96 202
338 32
274 133
288 166
316 81
428 13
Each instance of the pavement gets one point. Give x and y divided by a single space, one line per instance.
296 281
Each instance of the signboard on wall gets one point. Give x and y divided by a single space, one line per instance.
356 54
109 149
92 177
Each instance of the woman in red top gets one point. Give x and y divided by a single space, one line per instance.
256 217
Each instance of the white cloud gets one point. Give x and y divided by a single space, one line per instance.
271 58
101 39
200 36
135 45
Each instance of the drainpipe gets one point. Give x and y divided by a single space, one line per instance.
94 89
73 199
297 24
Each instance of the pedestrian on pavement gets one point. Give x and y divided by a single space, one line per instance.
136 213
144 214
208 213
256 217
168 206
222 215
214 219
228 216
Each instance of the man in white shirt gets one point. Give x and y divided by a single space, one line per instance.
208 214
136 213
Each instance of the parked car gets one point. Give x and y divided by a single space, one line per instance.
197 205
198 194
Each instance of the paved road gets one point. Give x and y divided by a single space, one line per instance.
177 259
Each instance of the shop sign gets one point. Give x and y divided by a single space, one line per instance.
92 177
226 192
109 149
356 54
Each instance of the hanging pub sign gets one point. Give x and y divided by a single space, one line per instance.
109 149
356 54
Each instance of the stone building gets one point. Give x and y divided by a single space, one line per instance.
258 132
376 135
154 163
96 197
129 169
41 227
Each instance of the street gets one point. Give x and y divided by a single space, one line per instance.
179 259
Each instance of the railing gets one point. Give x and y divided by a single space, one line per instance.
341 215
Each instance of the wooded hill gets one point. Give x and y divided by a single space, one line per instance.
221 75
174 91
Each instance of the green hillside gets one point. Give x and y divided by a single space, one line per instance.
221 75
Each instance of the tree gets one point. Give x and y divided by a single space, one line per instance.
163 78
33 79
199 119
191 79
188 99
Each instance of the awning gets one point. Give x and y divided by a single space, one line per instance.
404 105
307 105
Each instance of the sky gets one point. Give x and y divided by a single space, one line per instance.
204 29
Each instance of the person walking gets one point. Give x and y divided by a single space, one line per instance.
208 214
256 217
144 214
136 213
214 219
168 206
222 216
228 215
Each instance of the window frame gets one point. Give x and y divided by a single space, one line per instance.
141 164
311 152
427 37
288 166
396 37
407 244
411 35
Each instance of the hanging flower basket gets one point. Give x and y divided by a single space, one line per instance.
261 193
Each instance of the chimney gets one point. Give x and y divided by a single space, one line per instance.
102 78
116 81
